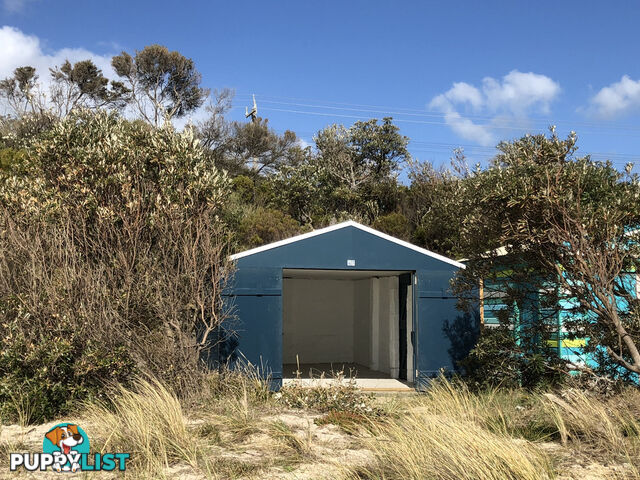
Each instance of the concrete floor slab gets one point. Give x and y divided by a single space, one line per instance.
365 384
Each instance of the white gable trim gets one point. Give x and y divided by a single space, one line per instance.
338 226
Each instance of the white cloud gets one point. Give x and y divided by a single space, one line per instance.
617 99
302 143
19 49
514 96
520 92
462 126
462 92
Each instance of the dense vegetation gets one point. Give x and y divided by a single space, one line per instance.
115 227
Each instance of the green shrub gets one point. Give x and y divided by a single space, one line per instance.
394 224
265 225
112 261
339 397
41 377
11 158
244 187
499 360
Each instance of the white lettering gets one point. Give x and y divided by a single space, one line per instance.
59 458
16 459
31 463
46 460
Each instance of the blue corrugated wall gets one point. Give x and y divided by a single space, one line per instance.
255 294
571 350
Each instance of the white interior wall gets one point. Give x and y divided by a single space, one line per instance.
362 321
384 326
317 320
393 315
374 326
330 320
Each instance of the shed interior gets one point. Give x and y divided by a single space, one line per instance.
355 321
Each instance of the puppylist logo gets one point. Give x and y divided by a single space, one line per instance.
65 448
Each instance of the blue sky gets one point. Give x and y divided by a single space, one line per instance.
450 73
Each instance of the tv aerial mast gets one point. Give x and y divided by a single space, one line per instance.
254 111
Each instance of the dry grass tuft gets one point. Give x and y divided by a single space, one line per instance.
7 448
450 433
230 468
292 443
233 402
608 426
148 422
506 412
240 418
439 447
246 381
349 422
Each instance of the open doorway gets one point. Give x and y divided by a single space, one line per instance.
359 322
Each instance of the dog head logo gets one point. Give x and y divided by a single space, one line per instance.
65 437
67 442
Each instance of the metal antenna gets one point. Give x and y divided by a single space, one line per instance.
254 111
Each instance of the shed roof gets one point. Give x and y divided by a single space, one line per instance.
342 225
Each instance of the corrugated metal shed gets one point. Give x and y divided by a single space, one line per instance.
395 278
